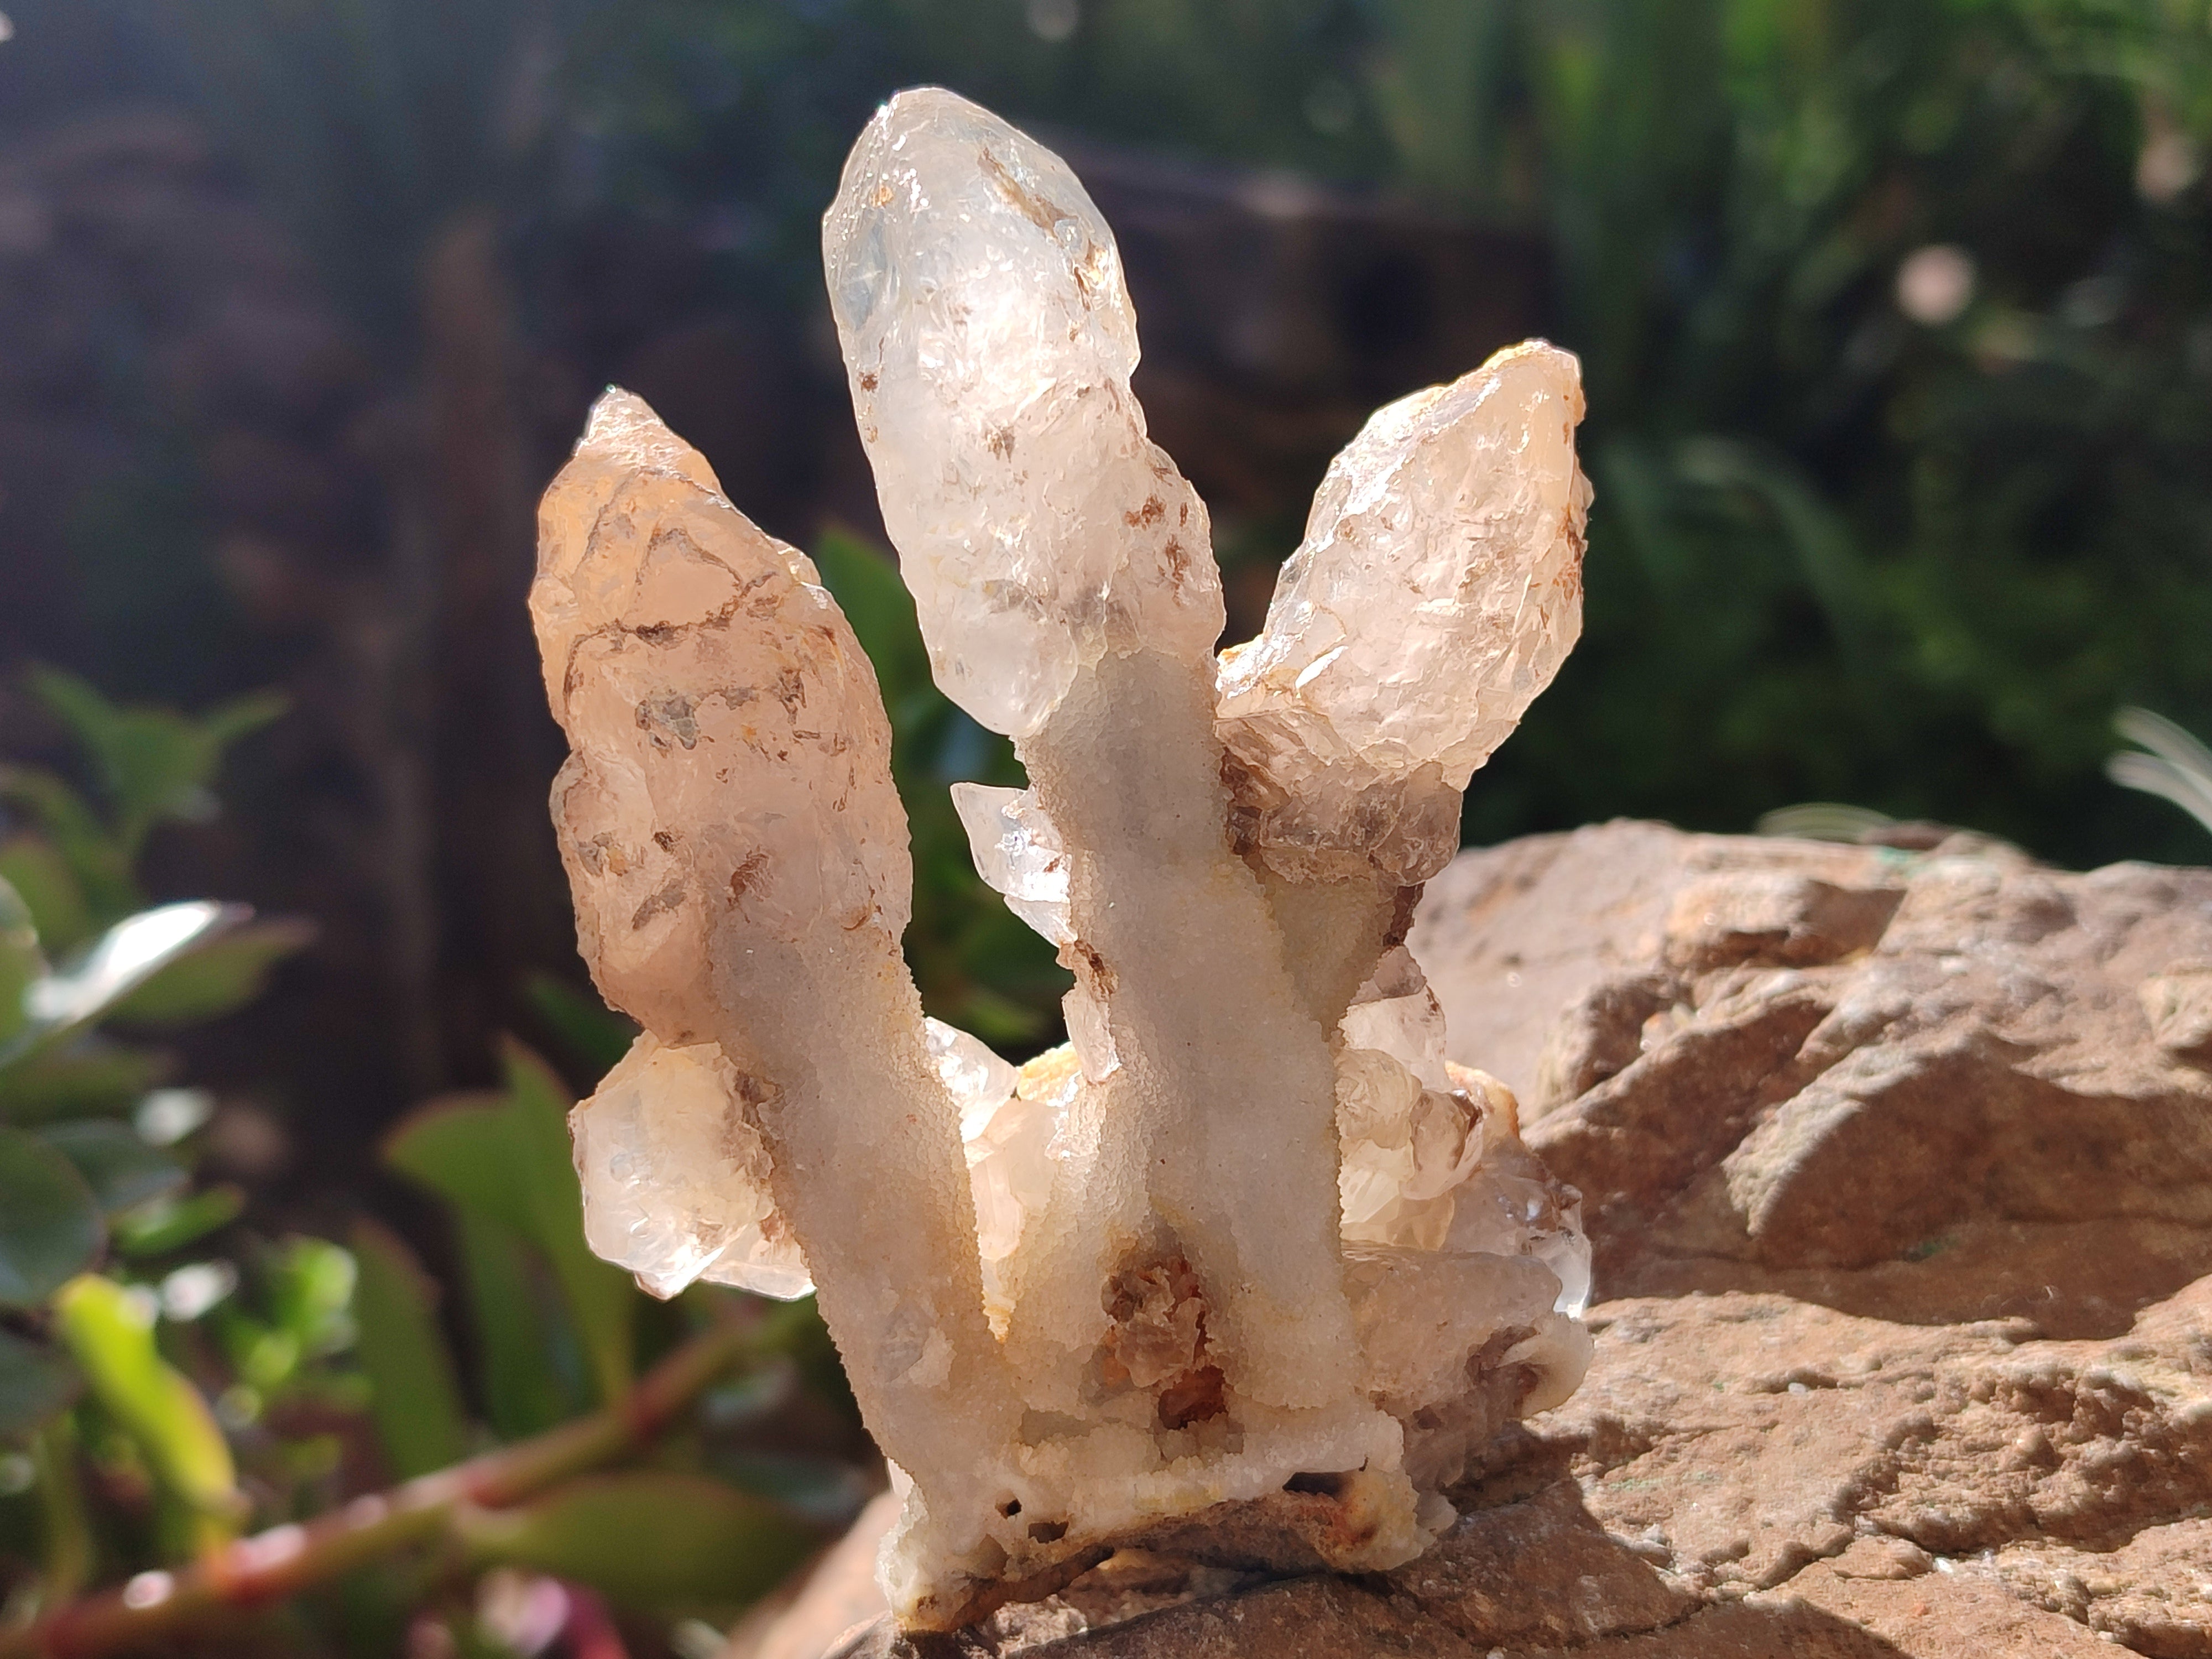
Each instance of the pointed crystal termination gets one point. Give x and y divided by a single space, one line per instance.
989 340
1018 853
738 859
1437 592
676 1181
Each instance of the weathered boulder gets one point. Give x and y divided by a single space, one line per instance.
1929 1086
1899 1165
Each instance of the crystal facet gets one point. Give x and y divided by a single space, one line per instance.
676 1181
1018 853
1437 592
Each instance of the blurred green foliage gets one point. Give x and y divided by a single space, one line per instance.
1840 550
174 1374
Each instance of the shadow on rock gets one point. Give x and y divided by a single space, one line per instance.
1535 1575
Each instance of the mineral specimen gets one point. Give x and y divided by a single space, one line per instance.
1248 1272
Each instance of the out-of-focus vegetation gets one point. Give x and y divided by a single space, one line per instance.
1895 313
2169 763
1896 317
181 1393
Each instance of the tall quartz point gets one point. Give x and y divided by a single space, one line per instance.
1437 592
989 342
738 859
1247 1273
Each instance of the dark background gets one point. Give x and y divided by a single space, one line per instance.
301 302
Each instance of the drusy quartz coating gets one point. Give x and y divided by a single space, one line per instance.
1247 1271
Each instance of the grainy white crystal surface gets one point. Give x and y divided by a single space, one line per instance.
1247 1270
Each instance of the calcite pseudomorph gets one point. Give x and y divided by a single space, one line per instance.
1247 1271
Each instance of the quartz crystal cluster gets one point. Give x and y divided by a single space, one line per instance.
1247 1271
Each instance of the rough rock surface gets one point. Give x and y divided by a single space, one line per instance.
1900 1169
1929 1086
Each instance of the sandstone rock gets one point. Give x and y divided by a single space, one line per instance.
2154 1593
1899 1165
1753 1474
1932 1086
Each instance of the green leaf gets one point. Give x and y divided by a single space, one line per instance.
49 1226
593 1032
120 961
460 1147
648 1540
42 880
171 1224
601 1297
226 723
84 1078
522 1332
35 1382
310 1286
264 1357
866 583
110 1330
68 1550
505 1159
414 1403
224 974
123 1171
98 865
154 763
22 965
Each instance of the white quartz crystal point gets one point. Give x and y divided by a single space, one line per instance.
978 1080
1013 1145
1437 592
1020 854
675 1180
738 855
667 620
1512 1204
989 339
1396 1012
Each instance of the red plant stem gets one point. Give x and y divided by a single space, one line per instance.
285 1560
590 1633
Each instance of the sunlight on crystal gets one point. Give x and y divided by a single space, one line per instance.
1018 854
1248 1224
